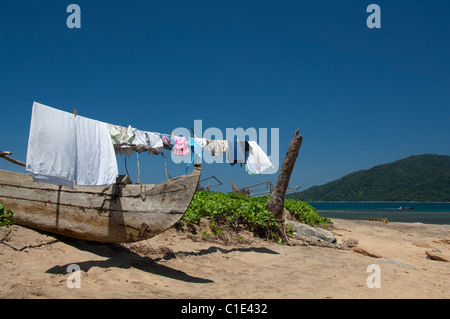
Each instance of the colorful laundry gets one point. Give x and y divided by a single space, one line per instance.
257 160
146 142
181 147
236 152
201 142
217 147
196 151
167 142
122 138
65 150
156 143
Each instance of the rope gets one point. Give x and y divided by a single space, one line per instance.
15 95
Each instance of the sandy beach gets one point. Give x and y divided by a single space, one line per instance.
177 265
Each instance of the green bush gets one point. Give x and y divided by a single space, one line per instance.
305 213
6 217
240 211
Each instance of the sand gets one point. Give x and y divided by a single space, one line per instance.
175 265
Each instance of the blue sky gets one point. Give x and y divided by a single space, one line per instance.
361 97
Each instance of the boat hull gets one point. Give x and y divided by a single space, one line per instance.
121 213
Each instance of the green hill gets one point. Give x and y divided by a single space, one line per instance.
421 178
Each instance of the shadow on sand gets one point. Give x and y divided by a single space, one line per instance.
121 257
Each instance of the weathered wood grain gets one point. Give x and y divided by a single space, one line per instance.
276 200
115 214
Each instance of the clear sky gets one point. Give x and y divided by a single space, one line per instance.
360 97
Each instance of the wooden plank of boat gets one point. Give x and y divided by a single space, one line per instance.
120 213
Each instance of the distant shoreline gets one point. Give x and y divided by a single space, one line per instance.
429 213
317 201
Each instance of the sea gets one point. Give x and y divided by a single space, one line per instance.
425 213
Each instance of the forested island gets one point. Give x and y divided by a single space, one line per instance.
419 178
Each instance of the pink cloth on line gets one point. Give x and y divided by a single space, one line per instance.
181 147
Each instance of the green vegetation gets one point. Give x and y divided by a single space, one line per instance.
6 217
422 178
225 211
305 213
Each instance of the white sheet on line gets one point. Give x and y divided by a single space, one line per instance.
63 148
51 146
96 163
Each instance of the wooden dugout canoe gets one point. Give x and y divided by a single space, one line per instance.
120 213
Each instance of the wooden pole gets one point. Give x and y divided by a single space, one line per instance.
12 160
165 164
276 200
139 169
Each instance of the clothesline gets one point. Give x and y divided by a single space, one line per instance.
82 150
15 95
129 139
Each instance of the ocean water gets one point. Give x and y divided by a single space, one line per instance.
426 213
